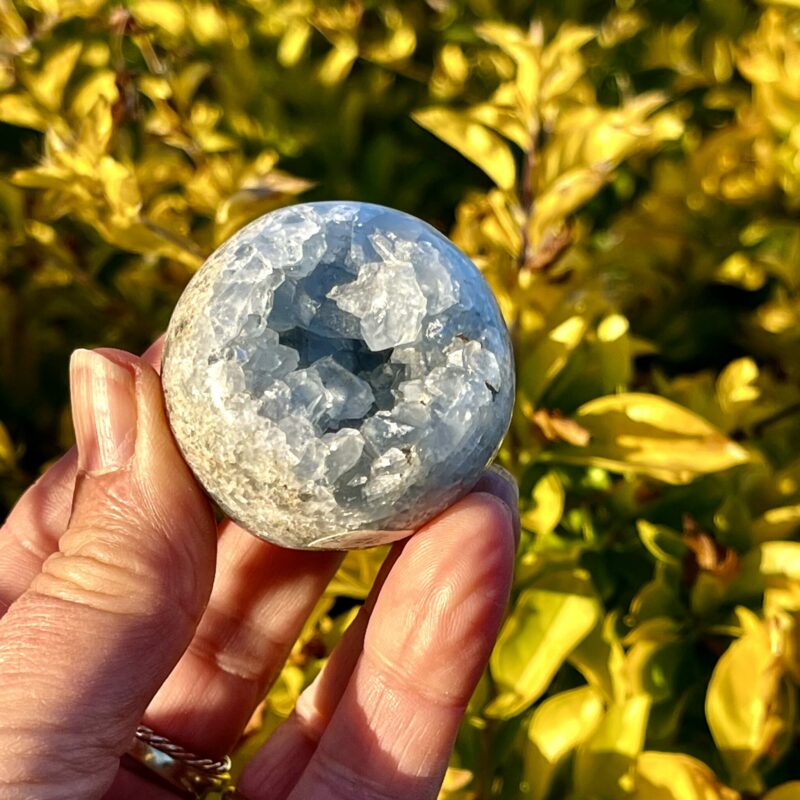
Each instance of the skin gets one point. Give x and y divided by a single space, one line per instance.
122 601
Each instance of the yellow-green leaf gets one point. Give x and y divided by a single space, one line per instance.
777 523
557 727
101 86
563 197
456 780
166 14
676 776
546 505
743 703
605 764
788 791
337 64
549 620
650 435
48 85
664 544
600 658
474 141
548 357
19 109
294 42
6 448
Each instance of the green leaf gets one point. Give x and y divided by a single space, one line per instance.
744 703
169 15
605 764
546 505
548 357
6 448
474 141
675 776
649 435
600 658
765 564
662 542
654 667
777 523
788 791
557 727
549 620
779 559
48 85
20 110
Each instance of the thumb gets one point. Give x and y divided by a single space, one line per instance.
87 646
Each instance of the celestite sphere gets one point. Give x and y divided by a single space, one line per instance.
336 374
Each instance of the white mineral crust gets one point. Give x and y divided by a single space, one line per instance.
336 374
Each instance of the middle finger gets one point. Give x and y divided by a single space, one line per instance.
261 598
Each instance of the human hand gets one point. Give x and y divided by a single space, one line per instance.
121 600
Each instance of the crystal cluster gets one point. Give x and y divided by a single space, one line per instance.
336 374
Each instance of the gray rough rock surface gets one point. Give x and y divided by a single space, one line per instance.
336 374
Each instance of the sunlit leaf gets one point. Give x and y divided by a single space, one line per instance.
605 765
6 448
338 62
557 727
663 543
788 791
674 776
19 109
12 26
550 618
48 85
474 141
546 505
600 658
455 780
777 523
650 435
743 703
167 14
98 87
549 356
294 42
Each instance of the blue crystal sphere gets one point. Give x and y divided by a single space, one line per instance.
336 374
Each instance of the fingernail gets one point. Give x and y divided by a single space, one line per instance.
103 411
501 483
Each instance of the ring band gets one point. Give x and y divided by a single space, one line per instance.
179 768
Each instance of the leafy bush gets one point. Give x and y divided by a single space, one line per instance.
627 177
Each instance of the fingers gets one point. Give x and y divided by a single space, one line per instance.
33 528
282 761
499 481
35 524
391 730
262 596
116 605
155 353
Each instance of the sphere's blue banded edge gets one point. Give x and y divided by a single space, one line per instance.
336 374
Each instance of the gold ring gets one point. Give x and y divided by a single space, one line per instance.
179 768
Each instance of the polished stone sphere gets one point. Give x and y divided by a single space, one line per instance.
336 374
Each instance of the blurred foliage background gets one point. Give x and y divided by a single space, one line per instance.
626 175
